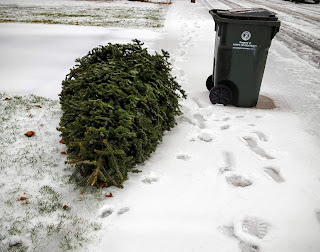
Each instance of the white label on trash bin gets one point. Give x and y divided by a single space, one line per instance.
246 35
244 46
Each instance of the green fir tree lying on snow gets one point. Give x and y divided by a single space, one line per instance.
117 102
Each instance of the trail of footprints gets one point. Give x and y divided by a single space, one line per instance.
253 145
206 136
249 229
108 210
252 142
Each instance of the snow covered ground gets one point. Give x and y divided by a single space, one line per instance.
88 13
36 58
224 179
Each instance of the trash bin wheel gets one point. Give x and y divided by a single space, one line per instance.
221 94
209 83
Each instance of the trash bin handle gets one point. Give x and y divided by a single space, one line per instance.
219 19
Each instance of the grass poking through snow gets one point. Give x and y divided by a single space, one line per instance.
107 14
40 210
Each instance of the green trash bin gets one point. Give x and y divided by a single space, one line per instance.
243 38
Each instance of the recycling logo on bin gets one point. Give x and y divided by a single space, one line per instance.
246 35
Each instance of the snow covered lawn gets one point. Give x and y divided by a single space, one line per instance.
35 58
34 185
89 13
225 179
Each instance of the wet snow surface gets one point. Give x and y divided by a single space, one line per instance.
225 178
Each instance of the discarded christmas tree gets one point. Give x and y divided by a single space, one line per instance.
117 102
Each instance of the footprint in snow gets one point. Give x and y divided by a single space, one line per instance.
255 227
318 216
240 116
225 127
227 231
244 247
105 211
181 73
274 174
252 144
149 180
250 229
206 135
199 103
199 117
261 136
201 120
184 43
186 120
238 180
184 156
123 210
228 162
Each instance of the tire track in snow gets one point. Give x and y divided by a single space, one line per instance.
300 43
231 4
278 6
207 4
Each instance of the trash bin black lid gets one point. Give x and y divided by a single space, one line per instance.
247 14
